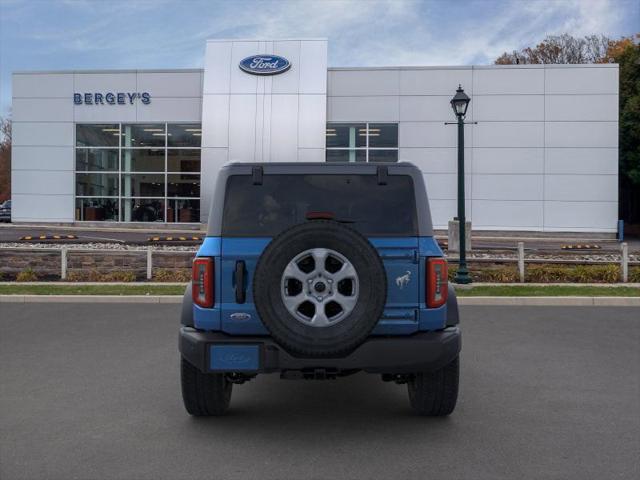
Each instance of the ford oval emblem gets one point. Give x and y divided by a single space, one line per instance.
265 64
240 316
235 357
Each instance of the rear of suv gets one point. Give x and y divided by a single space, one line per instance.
316 271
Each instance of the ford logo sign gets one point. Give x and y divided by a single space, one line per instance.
265 64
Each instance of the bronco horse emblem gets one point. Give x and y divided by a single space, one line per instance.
403 280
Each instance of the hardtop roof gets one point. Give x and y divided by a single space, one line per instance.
425 227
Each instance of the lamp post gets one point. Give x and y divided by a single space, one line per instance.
460 103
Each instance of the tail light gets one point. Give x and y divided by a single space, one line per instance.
437 286
202 283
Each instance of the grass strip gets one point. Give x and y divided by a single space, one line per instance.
106 289
547 291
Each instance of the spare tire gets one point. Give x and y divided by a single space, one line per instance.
320 289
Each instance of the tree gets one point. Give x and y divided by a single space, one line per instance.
560 49
5 159
600 49
626 53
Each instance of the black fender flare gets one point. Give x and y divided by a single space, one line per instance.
453 317
186 314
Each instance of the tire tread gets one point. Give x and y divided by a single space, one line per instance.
204 394
435 394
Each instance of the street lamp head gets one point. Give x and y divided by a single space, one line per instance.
460 102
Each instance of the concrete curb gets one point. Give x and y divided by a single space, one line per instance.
457 287
479 301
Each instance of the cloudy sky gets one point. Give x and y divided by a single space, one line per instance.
96 34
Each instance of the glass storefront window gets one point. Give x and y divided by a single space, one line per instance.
343 135
96 209
183 211
383 155
183 161
143 185
346 156
143 160
152 174
362 142
96 185
143 210
183 185
383 135
184 135
97 135
144 135
97 159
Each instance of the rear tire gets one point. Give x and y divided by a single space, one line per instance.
434 394
204 394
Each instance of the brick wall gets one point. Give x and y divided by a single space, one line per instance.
46 264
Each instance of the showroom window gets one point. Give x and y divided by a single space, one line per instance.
362 142
138 172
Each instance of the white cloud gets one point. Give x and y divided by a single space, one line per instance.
171 33
373 32
402 32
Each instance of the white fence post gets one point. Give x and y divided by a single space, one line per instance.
624 264
149 263
521 261
63 263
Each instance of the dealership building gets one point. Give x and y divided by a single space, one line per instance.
120 146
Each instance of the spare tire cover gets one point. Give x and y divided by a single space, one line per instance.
320 288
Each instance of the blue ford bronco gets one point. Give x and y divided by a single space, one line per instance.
316 271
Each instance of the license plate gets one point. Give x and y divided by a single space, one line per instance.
233 358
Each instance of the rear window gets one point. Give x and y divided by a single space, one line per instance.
283 201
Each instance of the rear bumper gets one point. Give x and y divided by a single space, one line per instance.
420 352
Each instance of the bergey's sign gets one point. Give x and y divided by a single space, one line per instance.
111 98
265 64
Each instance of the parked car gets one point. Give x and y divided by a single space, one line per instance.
318 271
5 211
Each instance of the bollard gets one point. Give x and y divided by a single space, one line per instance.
521 261
149 263
624 262
63 263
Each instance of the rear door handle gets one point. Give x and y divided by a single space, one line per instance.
240 275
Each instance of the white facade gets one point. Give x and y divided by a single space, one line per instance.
543 155
44 117
262 118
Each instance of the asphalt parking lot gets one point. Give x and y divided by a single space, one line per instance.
92 392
